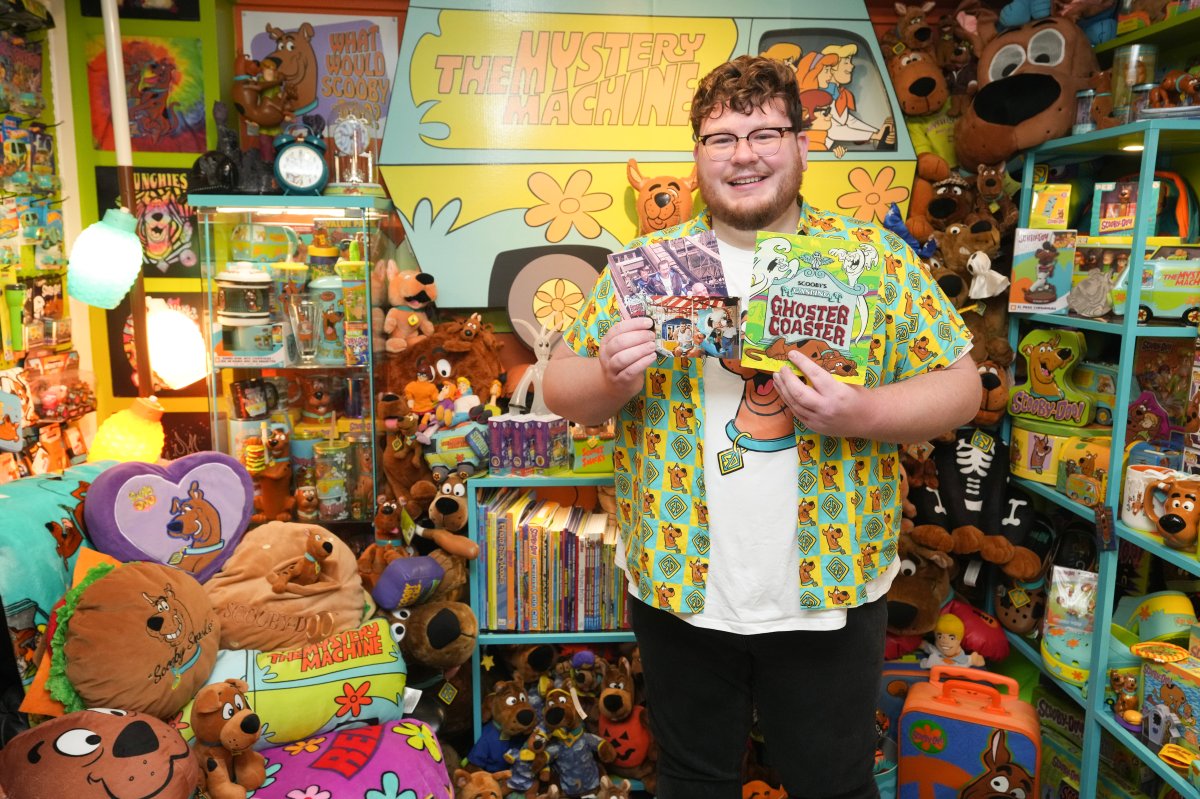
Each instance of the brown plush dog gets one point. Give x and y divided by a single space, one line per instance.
1020 107
407 474
226 728
662 201
478 784
304 570
410 293
389 541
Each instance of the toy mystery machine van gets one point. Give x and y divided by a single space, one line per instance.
1170 291
510 129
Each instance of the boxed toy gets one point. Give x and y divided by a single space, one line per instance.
592 447
1043 261
1114 208
500 444
1050 204
1170 697
1083 469
549 451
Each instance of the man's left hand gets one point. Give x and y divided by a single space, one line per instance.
824 405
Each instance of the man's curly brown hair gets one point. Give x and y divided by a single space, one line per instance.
745 84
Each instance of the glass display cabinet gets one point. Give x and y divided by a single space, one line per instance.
289 333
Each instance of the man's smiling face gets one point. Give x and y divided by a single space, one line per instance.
750 191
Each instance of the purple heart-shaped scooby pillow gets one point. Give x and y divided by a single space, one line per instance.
189 514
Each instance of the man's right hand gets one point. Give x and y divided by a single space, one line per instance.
626 351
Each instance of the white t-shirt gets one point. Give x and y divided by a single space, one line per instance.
753 582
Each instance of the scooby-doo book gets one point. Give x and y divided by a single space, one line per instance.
812 294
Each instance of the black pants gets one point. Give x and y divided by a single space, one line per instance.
815 694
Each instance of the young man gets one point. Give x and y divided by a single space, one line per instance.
761 478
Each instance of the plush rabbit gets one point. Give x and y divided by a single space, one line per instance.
544 341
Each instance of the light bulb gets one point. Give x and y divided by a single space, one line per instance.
134 434
105 260
176 346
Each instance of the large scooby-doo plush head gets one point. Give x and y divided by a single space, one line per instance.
1028 78
661 202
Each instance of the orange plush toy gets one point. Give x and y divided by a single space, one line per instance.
661 202
410 294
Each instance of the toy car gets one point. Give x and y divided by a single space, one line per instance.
1170 291
463 447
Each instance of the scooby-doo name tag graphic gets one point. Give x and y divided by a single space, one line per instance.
190 514
1049 393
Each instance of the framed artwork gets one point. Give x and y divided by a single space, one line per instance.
186 432
180 10
335 64
164 88
165 223
119 327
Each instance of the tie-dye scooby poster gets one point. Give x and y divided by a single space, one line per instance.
165 223
165 91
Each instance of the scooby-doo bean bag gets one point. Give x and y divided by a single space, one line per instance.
138 636
255 615
1027 83
353 676
99 754
397 759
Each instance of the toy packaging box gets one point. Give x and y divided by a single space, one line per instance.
1049 207
963 728
1114 208
592 447
1170 701
1096 252
1043 264
1083 469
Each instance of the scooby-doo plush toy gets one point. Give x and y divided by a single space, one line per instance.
661 202
411 295
508 720
408 476
1024 100
294 574
624 725
226 729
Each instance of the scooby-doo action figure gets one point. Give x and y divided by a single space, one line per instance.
765 439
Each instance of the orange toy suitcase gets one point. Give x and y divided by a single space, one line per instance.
960 736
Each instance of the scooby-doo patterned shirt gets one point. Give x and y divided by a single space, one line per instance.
848 510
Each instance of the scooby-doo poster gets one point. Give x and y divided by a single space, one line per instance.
164 89
328 64
119 324
165 223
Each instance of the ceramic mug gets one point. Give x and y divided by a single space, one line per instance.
1138 477
253 398
1179 521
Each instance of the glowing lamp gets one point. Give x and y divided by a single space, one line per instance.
105 261
134 434
176 346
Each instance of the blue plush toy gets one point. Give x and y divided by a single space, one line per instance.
1098 18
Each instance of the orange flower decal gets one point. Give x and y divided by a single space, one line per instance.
566 207
873 195
556 303
353 700
307 745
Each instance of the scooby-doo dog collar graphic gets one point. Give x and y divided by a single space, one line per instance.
1028 78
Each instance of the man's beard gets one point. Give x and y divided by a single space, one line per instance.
753 218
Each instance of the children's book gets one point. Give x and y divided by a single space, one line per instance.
685 266
1043 263
815 295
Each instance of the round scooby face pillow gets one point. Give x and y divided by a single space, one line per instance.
142 636
99 754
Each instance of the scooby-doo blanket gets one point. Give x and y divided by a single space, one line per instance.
137 636
397 759
352 678
266 602
40 540
189 514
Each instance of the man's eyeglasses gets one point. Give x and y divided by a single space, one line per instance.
721 146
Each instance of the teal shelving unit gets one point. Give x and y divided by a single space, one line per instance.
1160 140
478 575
